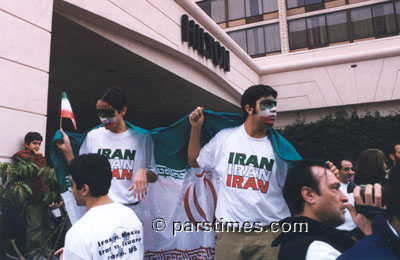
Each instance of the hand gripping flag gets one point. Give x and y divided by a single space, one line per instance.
181 195
66 109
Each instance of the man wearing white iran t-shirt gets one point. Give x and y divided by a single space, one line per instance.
251 174
130 153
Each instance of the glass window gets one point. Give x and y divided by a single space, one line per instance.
206 6
297 34
272 37
384 19
253 7
215 9
294 3
270 6
240 38
236 9
397 4
337 27
316 30
361 20
310 2
255 41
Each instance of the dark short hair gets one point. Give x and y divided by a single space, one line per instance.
369 167
252 94
300 175
338 163
32 136
392 192
114 97
393 148
93 170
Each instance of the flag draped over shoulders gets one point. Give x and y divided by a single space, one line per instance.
171 197
170 143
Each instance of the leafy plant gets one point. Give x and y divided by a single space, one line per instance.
17 181
17 185
343 133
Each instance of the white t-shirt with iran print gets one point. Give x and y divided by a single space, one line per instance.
251 177
126 152
111 231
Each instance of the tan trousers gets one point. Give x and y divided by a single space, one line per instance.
246 246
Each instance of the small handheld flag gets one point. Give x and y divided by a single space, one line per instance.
66 109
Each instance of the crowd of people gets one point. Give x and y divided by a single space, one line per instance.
350 207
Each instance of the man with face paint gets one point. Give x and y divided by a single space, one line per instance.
251 176
130 153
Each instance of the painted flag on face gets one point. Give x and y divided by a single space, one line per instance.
66 109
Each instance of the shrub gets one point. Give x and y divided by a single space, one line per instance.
343 134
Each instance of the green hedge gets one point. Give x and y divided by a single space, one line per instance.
343 134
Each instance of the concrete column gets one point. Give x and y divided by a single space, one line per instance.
283 27
24 69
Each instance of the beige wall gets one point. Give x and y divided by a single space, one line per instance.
310 83
152 29
24 66
316 82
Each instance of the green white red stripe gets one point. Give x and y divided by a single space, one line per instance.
66 109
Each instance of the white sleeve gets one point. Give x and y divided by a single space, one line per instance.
74 248
70 255
85 149
206 158
321 251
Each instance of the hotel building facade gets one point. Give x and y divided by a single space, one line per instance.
170 56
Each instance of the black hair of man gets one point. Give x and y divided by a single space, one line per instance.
300 175
114 97
391 193
393 152
393 147
338 163
93 170
32 136
252 94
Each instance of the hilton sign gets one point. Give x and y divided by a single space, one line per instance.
204 43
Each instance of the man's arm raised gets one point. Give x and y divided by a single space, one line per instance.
373 197
65 147
196 120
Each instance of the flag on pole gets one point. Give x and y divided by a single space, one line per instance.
66 109
181 194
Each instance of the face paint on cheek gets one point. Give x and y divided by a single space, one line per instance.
108 120
268 112
107 115
268 107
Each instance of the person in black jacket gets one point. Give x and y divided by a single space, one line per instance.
317 204
384 243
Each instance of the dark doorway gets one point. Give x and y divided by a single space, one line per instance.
83 63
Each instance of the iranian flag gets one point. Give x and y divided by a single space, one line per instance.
66 109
